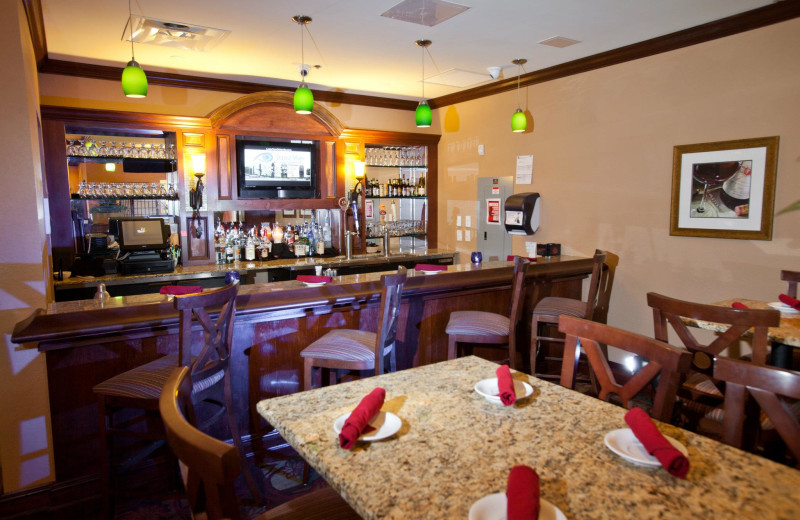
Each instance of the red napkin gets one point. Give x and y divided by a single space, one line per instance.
310 278
791 302
656 444
430 267
354 426
522 494
739 305
510 258
181 289
505 385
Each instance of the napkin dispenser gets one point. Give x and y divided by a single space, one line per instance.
522 213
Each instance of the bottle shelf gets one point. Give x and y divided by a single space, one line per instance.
414 167
373 197
75 196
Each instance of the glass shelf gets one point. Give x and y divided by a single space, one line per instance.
373 197
75 196
415 167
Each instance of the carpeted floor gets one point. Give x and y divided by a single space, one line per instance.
282 470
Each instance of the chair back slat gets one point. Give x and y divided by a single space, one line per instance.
664 363
217 334
211 465
389 315
739 322
792 278
599 260
767 385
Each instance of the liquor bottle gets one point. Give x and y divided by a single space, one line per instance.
229 251
311 239
249 249
326 232
219 243
421 185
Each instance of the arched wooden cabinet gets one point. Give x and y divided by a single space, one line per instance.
210 144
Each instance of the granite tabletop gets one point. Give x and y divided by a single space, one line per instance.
787 332
455 447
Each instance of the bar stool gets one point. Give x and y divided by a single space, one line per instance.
140 387
551 308
350 349
489 328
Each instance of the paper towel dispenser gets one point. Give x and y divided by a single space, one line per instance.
522 213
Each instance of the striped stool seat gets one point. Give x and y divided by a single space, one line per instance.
717 413
703 384
146 381
557 306
478 323
345 344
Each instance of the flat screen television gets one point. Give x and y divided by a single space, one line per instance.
277 169
140 234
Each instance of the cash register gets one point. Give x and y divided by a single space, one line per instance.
143 245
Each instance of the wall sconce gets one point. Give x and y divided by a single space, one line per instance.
359 169
196 193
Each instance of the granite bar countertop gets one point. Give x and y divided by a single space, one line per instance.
213 270
455 447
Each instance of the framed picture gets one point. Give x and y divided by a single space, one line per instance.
288 213
724 189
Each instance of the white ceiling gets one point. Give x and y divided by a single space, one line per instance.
361 52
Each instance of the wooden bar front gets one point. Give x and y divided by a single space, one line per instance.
89 341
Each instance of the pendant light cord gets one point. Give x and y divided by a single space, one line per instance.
130 23
302 56
519 72
423 73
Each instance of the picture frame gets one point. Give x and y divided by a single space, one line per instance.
724 189
288 213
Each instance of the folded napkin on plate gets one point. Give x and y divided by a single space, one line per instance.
181 289
739 305
505 385
656 444
522 494
354 426
510 258
794 303
310 278
430 267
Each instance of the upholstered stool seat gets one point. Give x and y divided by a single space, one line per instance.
346 345
477 322
490 328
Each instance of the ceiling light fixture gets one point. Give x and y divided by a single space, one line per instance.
303 98
134 81
423 114
518 121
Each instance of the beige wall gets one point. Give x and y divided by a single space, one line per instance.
25 446
602 144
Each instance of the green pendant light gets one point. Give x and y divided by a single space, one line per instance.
134 81
303 97
423 115
519 122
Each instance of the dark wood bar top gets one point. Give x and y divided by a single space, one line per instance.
64 324
194 272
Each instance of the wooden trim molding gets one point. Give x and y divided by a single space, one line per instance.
756 18
91 117
322 114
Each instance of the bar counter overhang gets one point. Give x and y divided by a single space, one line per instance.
88 341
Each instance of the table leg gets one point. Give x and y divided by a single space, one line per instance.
781 355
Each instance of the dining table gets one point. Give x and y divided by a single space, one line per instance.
453 447
784 338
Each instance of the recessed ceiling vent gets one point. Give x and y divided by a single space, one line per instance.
174 34
424 12
559 41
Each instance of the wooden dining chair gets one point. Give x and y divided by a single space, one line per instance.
550 308
210 466
769 389
489 328
663 366
700 395
352 349
792 278
140 387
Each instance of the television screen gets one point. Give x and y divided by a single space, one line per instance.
141 234
277 169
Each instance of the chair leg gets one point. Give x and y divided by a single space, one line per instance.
106 461
307 373
393 359
258 496
534 344
452 347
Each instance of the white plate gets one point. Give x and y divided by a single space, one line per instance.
488 389
493 507
432 272
624 443
386 424
783 308
314 284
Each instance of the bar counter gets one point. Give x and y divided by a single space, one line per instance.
88 341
